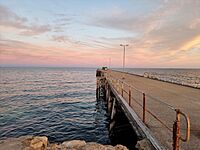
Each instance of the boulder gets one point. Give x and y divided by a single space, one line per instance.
41 143
120 147
93 146
74 144
11 144
143 145
110 147
38 143
56 147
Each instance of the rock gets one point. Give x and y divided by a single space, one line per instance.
38 143
143 145
56 147
109 147
93 146
11 144
120 147
41 143
74 144
14 143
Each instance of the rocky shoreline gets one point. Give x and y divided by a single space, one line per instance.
42 143
190 81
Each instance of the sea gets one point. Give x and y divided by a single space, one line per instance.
61 103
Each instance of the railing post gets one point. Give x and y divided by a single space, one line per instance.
144 107
176 131
129 96
122 90
117 85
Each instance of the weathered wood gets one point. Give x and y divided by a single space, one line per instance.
112 124
113 111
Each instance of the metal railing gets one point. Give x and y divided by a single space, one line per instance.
119 84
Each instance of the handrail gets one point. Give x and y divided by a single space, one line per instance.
176 126
187 119
153 98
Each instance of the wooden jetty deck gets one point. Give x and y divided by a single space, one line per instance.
159 109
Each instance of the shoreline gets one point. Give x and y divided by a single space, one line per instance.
156 79
30 142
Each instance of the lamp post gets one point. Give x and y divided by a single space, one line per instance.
124 46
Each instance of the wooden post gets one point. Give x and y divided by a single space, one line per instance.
122 89
118 88
110 105
113 110
129 97
98 88
108 88
144 107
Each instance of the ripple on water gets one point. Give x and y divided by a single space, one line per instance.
59 103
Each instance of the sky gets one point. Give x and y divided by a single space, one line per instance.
88 33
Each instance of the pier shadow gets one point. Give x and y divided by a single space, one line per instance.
119 128
122 131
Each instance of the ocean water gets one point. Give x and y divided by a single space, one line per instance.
187 77
56 102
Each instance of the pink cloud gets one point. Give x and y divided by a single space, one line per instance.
9 19
17 52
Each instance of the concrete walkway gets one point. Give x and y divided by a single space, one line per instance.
185 98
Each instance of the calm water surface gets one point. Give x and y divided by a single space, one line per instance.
57 102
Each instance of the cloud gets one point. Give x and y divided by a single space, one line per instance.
10 19
191 44
90 43
165 36
166 28
14 46
19 53
35 30
60 38
62 21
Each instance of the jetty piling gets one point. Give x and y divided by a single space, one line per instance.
117 91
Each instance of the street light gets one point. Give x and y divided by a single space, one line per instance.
124 45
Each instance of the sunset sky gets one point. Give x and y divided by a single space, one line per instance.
87 33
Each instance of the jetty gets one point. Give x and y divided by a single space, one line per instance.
165 115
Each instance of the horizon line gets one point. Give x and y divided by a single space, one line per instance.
99 67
